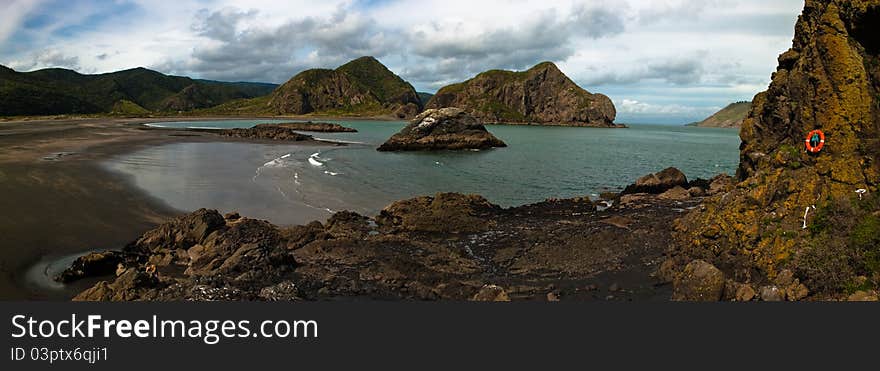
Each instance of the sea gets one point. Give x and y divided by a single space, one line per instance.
293 183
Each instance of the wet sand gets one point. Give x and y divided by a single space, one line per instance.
56 200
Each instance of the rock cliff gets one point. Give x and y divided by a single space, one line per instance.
816 215
540 95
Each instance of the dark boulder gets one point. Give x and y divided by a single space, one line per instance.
658 182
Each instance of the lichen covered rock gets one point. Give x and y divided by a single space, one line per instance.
778 213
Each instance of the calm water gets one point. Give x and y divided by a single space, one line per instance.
292 184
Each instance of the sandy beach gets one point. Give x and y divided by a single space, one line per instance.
49 171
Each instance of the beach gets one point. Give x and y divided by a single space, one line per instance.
58 201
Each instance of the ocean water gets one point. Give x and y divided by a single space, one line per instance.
294 183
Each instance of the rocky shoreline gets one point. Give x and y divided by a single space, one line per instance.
443 247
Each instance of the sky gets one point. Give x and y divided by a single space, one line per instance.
673 62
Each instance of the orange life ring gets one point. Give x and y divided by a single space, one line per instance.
813 145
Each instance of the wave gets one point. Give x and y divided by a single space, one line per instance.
340 141
313 159
278 162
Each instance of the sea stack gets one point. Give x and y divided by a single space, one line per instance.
442 129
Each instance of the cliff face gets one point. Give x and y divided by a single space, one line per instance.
542 94
815 214
361 87
731 116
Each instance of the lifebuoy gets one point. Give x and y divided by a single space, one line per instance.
815 141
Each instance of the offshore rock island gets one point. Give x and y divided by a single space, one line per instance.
439 129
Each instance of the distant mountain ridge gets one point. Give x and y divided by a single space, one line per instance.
540 95
61 91
731 116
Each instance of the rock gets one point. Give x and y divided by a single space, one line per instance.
265 132
128 286
491 293
745 292
542 94
720 183
232 216
796 291
614 287
666 271
696 192
772 293
784 278
551 296
863 295
700 281
676 193
318 127
442 129
283 291
361 87
91 265
658 182
443 213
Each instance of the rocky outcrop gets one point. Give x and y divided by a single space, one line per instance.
285 132
318 127
91 265
541 95
442 129
447 246
813 214
362 87
658 182
731 116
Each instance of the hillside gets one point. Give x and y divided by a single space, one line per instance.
361 87
60 91
541 95
731 116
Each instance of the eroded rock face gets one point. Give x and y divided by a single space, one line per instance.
442 129
542 94
779 211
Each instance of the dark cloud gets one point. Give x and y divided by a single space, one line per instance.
546 36
241 52
437 53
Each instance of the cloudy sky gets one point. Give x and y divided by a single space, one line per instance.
660 61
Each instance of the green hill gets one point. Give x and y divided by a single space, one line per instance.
60 91
361 87
540 95
731 116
